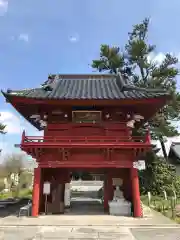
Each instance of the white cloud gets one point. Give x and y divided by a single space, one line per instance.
159 58
74 38
14 127
12 122
24 37
156 58
3 7
16 124
8 149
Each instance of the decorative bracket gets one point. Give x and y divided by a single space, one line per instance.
65 154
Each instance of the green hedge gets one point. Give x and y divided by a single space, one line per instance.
25 193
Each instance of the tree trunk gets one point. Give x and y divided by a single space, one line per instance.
163 148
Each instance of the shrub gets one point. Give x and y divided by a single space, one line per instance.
159 176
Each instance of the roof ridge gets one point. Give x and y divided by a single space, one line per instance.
77 75
122 82
133 87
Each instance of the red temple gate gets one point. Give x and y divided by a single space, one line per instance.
87 122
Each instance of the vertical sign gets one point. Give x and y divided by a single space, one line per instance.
46 192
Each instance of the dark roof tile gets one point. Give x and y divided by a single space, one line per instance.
87 87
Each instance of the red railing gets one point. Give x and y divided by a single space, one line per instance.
79 139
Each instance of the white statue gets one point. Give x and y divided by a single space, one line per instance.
119 206
118 194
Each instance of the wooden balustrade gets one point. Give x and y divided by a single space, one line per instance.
79 139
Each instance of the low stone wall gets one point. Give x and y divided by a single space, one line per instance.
89 189
86 183
87 194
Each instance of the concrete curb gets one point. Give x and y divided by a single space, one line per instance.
100 225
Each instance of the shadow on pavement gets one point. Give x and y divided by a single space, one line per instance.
12 209
84 206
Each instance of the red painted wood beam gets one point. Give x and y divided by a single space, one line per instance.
81 164
124 145
122 102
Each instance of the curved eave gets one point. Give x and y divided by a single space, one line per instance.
8 98
4 94
15 100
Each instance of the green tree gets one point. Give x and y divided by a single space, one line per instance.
13 164
111 60
2 129
135 62
159 176
25 180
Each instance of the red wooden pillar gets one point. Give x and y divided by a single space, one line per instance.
106 197
36 192
136 193
110 187
108 191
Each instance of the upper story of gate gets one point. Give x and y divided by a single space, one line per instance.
89 109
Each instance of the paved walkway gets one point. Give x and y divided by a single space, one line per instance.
78 225
99 227
88 212
87 220
87 233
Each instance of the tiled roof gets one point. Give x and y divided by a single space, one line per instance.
86 87
172 146
175 147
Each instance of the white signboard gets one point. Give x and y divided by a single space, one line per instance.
140 165
46 188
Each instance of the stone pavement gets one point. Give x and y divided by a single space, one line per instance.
88 220
99 227
87 233
40 233
156 233
77 224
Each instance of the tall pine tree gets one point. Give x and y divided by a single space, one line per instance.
136 61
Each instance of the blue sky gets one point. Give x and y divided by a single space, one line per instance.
42 37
